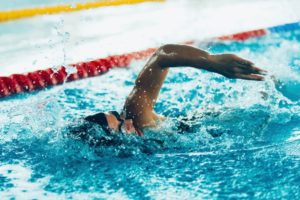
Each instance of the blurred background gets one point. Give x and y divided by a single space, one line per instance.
50 40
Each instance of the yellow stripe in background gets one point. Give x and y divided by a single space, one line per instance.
64 8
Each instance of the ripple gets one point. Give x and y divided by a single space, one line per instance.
242 139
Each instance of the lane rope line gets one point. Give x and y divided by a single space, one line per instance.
18 83
65 8
260 32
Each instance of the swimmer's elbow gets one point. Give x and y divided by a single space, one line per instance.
166 49
163 55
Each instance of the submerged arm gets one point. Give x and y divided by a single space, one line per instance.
142 99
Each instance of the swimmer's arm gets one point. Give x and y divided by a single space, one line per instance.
228 65
154 73
148 83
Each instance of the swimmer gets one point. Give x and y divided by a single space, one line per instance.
138 111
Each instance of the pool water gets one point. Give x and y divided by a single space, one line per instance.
257 155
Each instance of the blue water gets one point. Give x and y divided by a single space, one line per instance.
256 157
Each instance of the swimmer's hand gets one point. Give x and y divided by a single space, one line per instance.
232 66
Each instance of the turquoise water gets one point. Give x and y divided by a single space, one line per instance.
257 155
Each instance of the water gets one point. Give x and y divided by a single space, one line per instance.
257 155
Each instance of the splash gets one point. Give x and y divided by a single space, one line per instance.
217 130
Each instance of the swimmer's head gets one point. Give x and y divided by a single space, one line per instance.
112 122
100 119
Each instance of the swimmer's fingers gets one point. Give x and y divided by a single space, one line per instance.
262 72
253 77
248 67
243 62
232 66
256 70
249 71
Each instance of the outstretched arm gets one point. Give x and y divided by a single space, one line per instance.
141 100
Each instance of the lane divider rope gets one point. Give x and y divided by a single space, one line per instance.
18 83
260 32
245 35
64 8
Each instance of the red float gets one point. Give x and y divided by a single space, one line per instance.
244 35
39 79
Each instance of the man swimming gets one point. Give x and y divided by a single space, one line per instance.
138 111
